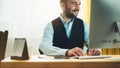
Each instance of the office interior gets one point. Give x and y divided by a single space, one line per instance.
27 19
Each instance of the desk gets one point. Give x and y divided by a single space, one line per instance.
34 62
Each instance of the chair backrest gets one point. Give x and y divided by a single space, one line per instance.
3 42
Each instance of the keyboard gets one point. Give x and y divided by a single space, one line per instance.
91 57
75 57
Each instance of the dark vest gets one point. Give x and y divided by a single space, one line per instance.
60 38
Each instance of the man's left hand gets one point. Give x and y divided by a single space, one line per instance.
93 52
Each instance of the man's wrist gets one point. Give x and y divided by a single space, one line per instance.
66 53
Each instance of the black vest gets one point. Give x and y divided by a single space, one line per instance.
60 38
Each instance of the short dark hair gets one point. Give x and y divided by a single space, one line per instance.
64 1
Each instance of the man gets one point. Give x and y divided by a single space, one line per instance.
67 34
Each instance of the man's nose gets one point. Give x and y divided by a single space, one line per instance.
77 7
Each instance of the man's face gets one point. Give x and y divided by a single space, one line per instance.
72 8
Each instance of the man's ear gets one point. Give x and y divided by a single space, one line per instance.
62 5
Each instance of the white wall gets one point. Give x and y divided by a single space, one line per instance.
27 18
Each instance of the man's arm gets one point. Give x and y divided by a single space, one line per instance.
46 45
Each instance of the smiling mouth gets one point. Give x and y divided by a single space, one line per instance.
75 12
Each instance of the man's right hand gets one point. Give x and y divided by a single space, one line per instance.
75 52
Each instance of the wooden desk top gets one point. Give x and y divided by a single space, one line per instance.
35 62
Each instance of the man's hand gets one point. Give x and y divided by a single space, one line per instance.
93 52
75 52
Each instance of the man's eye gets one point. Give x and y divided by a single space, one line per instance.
74 3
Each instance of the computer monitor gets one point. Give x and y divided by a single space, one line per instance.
105 24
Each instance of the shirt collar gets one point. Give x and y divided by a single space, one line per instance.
64 21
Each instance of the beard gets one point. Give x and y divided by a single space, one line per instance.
69 14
